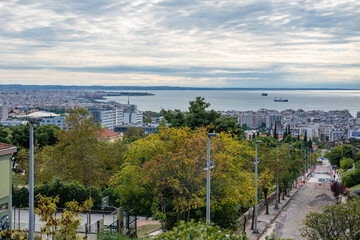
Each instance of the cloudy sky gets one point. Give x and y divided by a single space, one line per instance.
215 43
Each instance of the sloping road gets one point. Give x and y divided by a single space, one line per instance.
312 197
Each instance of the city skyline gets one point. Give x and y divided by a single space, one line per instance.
181 43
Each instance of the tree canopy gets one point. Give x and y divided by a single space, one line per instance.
198 116
163 176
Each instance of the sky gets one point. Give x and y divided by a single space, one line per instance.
192 43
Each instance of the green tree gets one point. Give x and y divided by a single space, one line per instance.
133 133
276 136
340 221
5 135
338 153
346 163
198 116
164 177
45 135
79 154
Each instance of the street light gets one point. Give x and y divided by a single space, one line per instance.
209 165
277 177
32 120
256 191
288 192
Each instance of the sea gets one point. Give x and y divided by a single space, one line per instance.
247 100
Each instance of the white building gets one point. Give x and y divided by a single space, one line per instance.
272 119
128 115
106 117
249 119
354 134
3 113
13 122
55 120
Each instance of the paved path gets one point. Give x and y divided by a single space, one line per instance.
287 221
312 197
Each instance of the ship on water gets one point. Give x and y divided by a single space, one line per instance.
280 100
264 94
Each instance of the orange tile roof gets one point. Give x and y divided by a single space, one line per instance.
4 145
107 133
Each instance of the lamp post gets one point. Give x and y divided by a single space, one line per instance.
256 191
288 192
32 120
277 177
209 165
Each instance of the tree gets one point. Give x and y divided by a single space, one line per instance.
305 139
276 136
45 135
164 177
198 117
340 221
133 133
338 153
79 154
346 163
65 226
5 135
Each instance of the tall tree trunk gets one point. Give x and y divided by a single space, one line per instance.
284 192
266 200
279 195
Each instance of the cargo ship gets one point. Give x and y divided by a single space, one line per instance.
280 100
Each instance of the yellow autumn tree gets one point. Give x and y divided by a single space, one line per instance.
163 176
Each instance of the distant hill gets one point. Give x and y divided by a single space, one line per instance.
111 88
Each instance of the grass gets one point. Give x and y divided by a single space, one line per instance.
143 230
18 180
354 187
343 173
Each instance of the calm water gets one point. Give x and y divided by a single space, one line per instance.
249 100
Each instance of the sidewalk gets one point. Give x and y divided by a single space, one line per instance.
265 220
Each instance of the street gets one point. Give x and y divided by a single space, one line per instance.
312 197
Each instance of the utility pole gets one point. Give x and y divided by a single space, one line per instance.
209 165
256 188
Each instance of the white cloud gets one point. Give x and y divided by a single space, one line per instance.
185 43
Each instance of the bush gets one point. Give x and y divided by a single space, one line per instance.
67 192
346 163
197 230
352 178
340 221
20 197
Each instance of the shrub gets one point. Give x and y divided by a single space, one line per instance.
352 178
346 163
20 197
197 230
67 192
339 221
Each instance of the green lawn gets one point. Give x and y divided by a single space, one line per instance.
354 187
342 173
18 180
